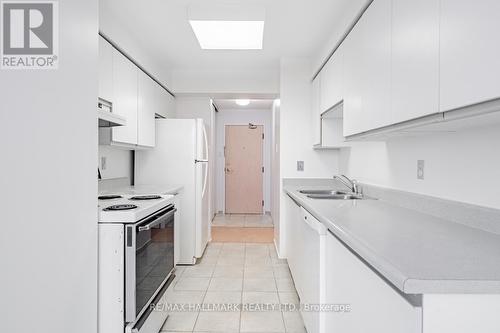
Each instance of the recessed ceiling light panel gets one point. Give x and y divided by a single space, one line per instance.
229 35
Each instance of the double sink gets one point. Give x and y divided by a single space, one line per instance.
333 195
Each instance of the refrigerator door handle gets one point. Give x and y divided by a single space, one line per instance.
205 176
206 142
200 161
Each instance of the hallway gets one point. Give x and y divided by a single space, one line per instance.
252 285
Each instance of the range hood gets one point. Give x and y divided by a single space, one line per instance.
106 117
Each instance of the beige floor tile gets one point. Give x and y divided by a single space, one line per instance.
231 261
218 322
180 321
226 284
258 261
259 272
282 272
262 322
184 297
228 272
199 271
256 297
285 285
293 322
192 284
259 284
222 297
289 297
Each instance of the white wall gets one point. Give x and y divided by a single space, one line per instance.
461 166
120 33
242 117
119 162
49 185
222 82
295 125
295 133
275 171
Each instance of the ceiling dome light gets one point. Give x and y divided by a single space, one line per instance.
242 102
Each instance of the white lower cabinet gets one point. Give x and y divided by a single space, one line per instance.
374 305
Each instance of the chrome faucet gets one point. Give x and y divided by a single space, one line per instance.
351 184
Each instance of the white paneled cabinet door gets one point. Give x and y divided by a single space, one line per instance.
315 110
470 52
374 305
415 59
376 50
148 104
331 81
352 82
367 71
125 99
105 70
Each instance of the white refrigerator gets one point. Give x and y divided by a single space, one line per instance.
180 157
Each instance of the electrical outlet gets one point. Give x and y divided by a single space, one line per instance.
300 165
420 169
103 162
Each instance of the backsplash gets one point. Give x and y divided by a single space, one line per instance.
115 163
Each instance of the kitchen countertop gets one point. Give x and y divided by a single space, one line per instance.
416 252
143 189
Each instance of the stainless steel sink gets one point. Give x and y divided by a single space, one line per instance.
323 192
345 196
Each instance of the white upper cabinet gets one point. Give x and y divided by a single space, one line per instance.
415 59
376 49
367 71
125 99
331 81
148 105
315 110
352 82
105 70
470 52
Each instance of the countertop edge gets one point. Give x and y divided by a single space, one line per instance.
401 281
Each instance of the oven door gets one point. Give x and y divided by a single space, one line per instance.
149 260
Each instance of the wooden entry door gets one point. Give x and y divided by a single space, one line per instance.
244 169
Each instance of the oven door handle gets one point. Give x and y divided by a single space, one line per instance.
158 220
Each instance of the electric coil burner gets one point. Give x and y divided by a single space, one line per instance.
120 207
109 197
146 197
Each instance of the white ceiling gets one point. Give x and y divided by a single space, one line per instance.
292 28
255 104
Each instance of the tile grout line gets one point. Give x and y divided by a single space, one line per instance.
243 283
206 291
278 292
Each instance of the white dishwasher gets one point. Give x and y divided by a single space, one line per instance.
312 271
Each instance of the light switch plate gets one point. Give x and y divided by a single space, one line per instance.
420 169
300 165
